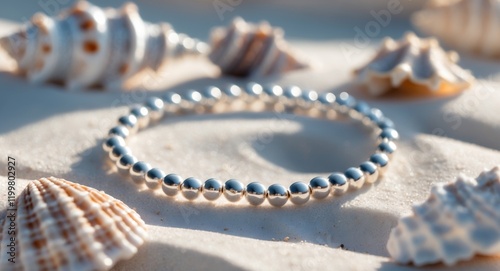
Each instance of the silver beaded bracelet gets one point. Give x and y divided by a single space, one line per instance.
274 98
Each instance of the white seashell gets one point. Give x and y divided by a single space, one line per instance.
62 225
457 221
87 46
467 25
245 49
413 66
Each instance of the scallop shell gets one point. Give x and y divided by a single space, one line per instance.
245 49
466 25
457 221
86 46
413 66
62 225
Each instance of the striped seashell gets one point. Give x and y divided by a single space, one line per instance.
88 46
466 25
245 49
62 225
413 66
457 221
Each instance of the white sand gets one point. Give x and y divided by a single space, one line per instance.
53 132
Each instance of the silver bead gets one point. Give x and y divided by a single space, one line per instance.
375 115
381 160
327 99
387 147
191 188
277 195
129 121
124 164
233 190
362 108
171 102
191 100
254 90
309 98
212 189
155 106
119 130
299 193
255 193
142 115
370 171
211 95
355 177
171 184
111 142
345 102
320 187
388 134
273 93
138 172
339 183
384 122
292 95
154 177
233 92
117 152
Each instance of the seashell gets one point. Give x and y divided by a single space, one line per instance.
457 221
86 46
62 225
413 66
470 26
245 49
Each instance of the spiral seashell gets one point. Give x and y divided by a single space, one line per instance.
245 49
413 66
87 46
457 221
60 225
470 26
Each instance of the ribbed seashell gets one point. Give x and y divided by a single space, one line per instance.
457 221
413 66
60 225
467 25
245 49
86 46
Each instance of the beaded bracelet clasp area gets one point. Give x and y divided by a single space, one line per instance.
275 98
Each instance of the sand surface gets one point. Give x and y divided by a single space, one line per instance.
52 132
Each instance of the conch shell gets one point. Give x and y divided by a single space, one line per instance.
60 225
87 46
466 25
457 221
413 66
245 49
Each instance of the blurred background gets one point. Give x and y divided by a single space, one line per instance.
312 19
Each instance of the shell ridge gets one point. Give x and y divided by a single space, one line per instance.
242 49
94 23
88 46
86 234
457 221
97 213
421 63
471 25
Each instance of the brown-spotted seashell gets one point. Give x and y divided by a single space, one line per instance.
245 49
467 25
62 225
413 66
87 46
457 221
